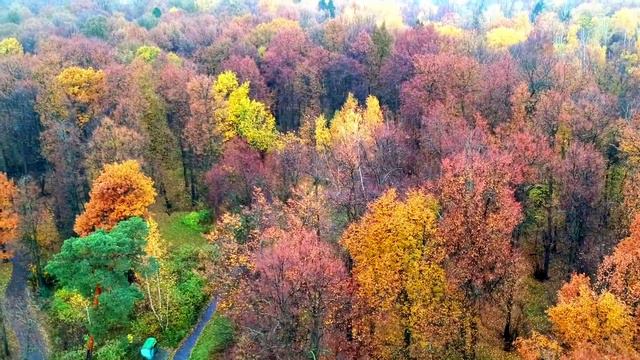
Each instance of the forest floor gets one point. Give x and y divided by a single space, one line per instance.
22 318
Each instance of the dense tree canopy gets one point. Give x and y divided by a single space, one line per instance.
345 179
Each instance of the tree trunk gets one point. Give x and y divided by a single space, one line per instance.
90 344
508 335
549 238
546 261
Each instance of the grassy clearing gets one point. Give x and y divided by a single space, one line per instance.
6 269
216 337
176 232
5 276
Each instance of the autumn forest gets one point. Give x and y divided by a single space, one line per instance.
333 179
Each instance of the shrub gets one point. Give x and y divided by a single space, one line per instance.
197 220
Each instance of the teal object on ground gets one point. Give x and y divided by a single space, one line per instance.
148 349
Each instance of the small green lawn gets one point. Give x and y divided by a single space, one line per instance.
5 276
216 337
6 269
176 232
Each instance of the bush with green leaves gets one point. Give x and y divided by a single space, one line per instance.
73 354
148 21
189 295
148 53
112 350
184 300
197 220
96 27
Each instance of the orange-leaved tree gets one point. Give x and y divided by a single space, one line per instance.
402 308
619 272
8 216
121 191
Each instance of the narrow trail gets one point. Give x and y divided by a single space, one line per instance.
20 316
184 351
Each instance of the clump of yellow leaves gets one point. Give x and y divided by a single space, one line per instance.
84 87
581 315
451 31
10 46
237 115
352 124
502 37
601 322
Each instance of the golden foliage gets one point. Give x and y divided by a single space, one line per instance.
620 272
582 316
626 20
156 245
10 46
601 322
451 31
121 191
503 37
352 131
84 87
401 286
322 134
355 122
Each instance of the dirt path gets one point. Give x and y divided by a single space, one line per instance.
184 351
20 315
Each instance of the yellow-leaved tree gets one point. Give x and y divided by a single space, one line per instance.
10 46
345 145
355 123
584 322
402 308
84 88
237 115
262 34
627 21
159 281
121 191
503 37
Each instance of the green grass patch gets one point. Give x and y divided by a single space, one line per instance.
177 232
6 270
536 304
216 336
198 220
